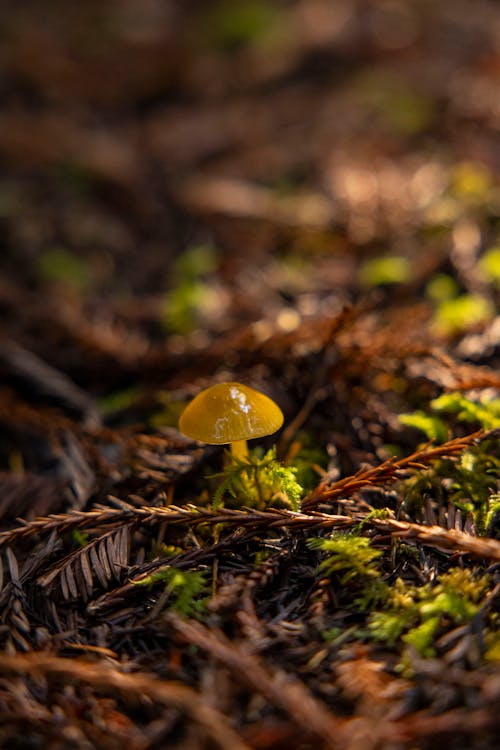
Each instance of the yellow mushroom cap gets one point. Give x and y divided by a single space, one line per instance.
227 412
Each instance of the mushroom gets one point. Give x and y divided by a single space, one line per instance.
230 413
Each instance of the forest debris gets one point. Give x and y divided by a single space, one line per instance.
134 687
288 693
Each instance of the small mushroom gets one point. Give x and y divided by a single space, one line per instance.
230 413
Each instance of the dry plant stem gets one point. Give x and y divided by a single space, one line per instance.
134 686
450 539
436 536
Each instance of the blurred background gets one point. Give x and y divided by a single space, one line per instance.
178 173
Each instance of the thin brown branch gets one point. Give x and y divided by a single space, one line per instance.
436 536
102 518
390 470
255 521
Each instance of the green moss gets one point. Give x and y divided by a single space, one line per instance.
454 407
258 482
492 515
431 425
484 412
80 537
184 591
376 513
349 557
470 480
419 614
401 614
422 636
352 560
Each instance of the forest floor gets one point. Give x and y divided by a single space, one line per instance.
303 197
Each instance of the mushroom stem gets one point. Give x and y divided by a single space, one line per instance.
239 449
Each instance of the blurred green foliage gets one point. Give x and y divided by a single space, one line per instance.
484 412
184 592
471 182
460 313
191 295
118 400
61 266
228 25
489 264
394 101
430 424
170 411
389 269
441 287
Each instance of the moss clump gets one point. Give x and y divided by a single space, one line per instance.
402 614
353 561
258 482
184 591
349 556
468 481
419 614
454 408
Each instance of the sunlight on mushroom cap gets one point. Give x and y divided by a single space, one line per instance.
228 412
